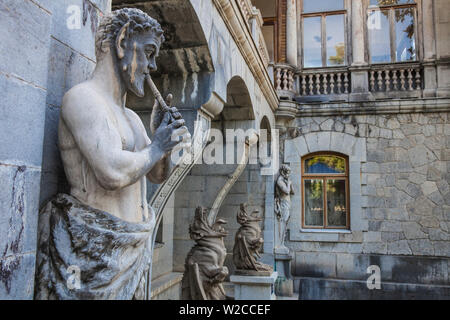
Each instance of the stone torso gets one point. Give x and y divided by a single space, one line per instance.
126 203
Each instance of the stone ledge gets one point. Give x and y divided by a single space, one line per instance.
165 282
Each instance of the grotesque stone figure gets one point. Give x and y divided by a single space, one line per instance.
95 243
283 192
204 269
248 242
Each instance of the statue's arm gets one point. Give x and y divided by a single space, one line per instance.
283 186
100 143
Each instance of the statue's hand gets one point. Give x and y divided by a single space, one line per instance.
158 113
164 136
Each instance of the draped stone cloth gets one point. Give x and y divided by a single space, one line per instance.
113 255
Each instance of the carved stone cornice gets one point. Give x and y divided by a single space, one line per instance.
237 26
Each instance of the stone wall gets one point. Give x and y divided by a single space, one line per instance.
399 197
41 59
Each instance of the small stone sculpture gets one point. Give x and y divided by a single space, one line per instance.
102 231
248 242
204 270
283 192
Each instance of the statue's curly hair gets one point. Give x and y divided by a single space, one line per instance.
112 23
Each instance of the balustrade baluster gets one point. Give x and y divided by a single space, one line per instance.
394 80
303 85
339 83
278 78
331 83
380 80
285 79
418 80
311 86
410 80
402 79
372 80
318 84
325 84
387 80
291 80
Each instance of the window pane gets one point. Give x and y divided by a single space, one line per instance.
389 2
314 202
325 164
335 40
322 5
379 38
312 42
336 203
404 30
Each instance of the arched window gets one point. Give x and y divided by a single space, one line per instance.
325 191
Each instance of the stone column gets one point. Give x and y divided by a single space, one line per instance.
429 49
358 33
291 32
359 65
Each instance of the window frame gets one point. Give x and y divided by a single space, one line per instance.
325 177
323 44
392 34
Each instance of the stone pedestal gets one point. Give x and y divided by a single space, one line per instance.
284 285
254 287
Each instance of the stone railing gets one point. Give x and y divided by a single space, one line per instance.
324 82
318 82
284 78
384 79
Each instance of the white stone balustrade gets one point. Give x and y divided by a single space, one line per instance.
324 83
284 78
395 78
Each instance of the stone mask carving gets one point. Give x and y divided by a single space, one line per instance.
248 242
204 269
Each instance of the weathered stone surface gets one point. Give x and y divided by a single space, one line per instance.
22 126
24 54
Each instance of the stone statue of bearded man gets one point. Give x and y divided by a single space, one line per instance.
95 243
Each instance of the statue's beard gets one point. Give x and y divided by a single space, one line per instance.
136 82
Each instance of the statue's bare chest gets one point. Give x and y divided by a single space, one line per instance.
127 130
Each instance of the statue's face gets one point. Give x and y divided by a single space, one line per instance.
286 172
141 50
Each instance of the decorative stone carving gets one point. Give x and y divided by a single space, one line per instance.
104 227
283 192
204 269
248 242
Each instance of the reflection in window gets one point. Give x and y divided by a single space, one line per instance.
336 203
379 3
325 191
404 31
335 40
312 42
313 202
391 21
322 5
325 164
323 34
379 39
